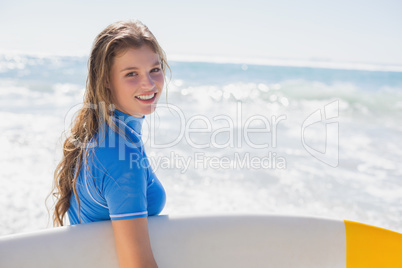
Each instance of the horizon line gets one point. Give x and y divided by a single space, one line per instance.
264 61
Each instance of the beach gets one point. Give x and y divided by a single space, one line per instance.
230 137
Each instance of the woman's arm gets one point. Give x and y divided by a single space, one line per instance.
132 243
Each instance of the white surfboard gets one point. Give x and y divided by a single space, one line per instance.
214 241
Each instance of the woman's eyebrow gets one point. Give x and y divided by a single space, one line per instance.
135 68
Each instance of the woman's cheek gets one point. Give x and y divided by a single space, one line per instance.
131 82
160 79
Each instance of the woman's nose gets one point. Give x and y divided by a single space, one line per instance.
147 82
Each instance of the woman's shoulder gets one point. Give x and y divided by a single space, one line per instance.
117 136
110 145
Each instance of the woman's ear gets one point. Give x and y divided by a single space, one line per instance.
107 84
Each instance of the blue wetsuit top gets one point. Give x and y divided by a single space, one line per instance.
118 183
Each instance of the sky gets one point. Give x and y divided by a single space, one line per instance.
340 31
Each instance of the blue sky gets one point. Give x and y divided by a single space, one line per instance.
349 31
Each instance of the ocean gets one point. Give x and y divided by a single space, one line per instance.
321 140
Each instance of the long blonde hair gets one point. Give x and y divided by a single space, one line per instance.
113 40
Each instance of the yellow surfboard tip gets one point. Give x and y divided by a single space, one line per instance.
369 246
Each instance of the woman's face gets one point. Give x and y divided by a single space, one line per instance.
136 81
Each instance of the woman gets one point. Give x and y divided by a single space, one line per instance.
105 173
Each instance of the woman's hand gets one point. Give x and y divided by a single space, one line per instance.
132 243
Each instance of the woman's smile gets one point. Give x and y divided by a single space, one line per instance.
146 97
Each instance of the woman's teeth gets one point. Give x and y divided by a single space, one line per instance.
145 97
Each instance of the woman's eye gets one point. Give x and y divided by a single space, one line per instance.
131 74
155 70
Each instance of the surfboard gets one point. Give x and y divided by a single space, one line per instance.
215 241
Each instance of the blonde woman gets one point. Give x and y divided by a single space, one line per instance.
105 173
